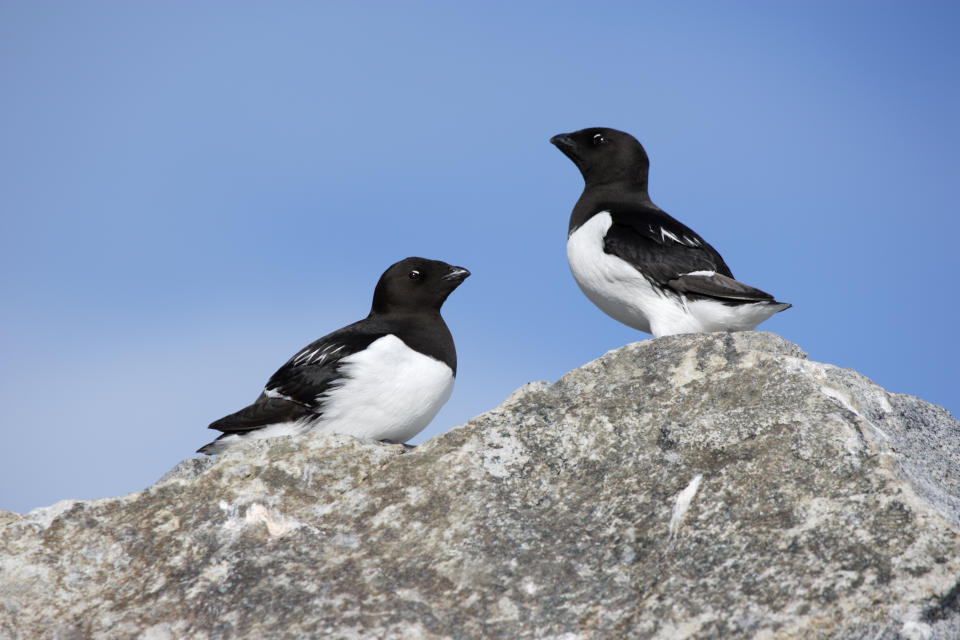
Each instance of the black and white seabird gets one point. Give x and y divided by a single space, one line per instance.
382 378
638 264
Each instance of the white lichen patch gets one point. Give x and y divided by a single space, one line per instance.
845 400
44 516
215 572
502 454
159 632
814 513
822 376
507 609
682 504
169 526
687 370
388 516
411 595
529 586
416 496
916 631
277 525
684 628
346 540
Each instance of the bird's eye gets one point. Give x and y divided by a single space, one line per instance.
598 139
414 275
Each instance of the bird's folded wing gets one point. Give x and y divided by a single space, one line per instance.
649 220
719 286
264 411
297 389
309 373
658 246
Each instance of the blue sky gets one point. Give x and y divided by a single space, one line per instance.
190 192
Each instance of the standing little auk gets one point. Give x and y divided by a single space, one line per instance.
638 264
382 378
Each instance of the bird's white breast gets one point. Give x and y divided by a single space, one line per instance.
614 285
388 392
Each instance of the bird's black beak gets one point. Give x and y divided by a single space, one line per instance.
566 144
457 274
562 141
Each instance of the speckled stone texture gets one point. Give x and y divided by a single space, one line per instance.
708 486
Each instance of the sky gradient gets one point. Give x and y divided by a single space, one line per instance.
190 192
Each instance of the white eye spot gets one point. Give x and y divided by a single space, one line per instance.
598 139
414 275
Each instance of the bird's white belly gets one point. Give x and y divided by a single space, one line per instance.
389 392
620 291
616 287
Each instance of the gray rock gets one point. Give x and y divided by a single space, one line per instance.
710 486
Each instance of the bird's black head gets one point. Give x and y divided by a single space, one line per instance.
605 155
416 284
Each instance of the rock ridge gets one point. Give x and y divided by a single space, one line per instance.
707 486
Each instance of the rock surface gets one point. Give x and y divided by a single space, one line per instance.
714 486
